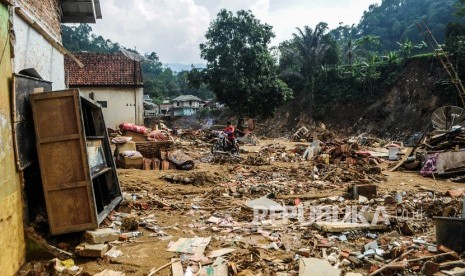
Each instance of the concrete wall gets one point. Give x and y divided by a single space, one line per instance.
12 246
32 50
123 104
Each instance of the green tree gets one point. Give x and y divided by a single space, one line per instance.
460 8
80 38
394 21
240 68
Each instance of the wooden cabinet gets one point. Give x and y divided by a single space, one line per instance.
78 173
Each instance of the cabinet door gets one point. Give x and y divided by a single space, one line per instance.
63 161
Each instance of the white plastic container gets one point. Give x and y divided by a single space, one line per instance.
393 151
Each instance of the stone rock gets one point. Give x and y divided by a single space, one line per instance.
92 250
313 266
430 268
101 235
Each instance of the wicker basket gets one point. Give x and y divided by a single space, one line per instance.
151 149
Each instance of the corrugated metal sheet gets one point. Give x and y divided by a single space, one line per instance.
80 11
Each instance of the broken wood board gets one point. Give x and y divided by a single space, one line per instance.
314 266
176 268
312 195
338 227
220 252
194 246
408 152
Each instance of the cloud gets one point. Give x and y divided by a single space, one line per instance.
171 28
175 28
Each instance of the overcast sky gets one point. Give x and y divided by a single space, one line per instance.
175 28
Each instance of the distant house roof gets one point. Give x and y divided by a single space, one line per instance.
103 70
185 98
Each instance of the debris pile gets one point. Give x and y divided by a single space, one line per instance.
452 139
320 207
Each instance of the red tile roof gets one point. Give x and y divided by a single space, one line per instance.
103 70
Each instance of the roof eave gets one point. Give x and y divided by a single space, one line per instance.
80 11
106 85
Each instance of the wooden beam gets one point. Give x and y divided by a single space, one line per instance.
7 2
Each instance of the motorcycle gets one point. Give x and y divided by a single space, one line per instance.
223 144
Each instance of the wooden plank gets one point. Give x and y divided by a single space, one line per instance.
311 195
338 227
66 186
102 215
59 138
408 152
176 268
80 124
101 172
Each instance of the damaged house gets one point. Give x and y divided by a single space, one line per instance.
31 61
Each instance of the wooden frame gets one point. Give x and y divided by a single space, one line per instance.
23 126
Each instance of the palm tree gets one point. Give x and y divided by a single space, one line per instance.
308 48
350 51
369 44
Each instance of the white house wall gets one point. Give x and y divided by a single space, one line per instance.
123 104
32 50
195 104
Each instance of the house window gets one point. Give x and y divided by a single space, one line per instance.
190 103
103 104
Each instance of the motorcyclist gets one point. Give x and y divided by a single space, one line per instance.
229 130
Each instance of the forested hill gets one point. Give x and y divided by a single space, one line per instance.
385 37
393 21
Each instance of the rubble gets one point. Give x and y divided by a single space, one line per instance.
240 215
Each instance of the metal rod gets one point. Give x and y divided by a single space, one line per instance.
463 207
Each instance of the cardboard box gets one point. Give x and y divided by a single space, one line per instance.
128 146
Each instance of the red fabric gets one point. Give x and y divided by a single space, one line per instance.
158 135
133 128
